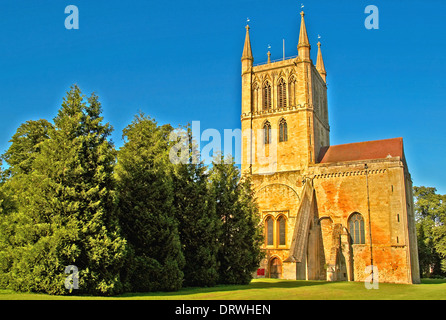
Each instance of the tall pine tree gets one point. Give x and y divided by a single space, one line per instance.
147 216
68 216
198 225
240 240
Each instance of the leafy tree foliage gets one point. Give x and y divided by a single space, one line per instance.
25 146
14 194
239 253
6 203
146 210
430 210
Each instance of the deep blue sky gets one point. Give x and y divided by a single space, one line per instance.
179 61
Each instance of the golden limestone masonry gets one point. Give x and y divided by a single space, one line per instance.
328 212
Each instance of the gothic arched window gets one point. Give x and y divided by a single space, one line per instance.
282 230
266 96
356 228
283 130
267 132
281 93
269 231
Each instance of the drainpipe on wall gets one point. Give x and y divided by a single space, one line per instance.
368 209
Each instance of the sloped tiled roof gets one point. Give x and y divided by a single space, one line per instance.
368 150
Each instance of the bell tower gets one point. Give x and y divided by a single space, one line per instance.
284 110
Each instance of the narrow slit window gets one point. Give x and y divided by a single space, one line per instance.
283 130
267 132
292 90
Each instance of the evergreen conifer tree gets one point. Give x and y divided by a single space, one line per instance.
198 223
240 239
66 215
146 210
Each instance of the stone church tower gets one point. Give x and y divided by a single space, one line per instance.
328 212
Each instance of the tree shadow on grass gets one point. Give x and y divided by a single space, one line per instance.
432 281
254 285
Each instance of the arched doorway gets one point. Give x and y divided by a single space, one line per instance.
275 268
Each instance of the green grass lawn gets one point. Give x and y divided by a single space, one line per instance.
272 289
